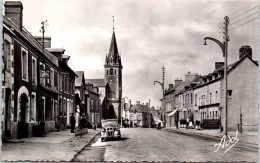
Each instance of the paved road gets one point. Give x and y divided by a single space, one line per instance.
144 144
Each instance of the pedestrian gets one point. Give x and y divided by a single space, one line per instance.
159 126
187 123
72 123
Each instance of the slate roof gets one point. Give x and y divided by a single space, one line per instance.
96 82
113 52
78 80
140 108
28 37
57 50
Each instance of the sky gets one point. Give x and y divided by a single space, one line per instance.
150 34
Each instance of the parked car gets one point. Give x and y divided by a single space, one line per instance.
110 129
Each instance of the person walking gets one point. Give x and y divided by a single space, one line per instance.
72 123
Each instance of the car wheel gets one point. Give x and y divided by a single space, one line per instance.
102 139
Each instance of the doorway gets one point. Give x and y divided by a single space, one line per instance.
22 125
7 113
111 112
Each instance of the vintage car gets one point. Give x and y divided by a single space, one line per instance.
110 129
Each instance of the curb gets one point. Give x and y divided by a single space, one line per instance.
84 147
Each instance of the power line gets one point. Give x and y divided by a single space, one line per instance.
244 23
244 18
244 12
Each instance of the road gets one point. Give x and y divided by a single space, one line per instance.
146 144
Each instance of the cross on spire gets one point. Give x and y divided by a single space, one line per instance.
113 23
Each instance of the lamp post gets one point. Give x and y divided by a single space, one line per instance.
162 85
224 48
122 107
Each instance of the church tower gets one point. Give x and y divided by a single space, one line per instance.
113 76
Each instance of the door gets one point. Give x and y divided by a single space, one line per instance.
22 126
7 113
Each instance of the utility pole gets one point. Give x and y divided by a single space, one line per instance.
224 48
225 75
41 114
162 85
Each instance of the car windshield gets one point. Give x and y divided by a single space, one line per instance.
109 123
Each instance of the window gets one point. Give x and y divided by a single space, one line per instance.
115 71
196 100
107 72
111 71
210 98
60 107
191 99
42 74
229 92
111 82
216 96
61 82
7 56
52 77
33 108
34 71
25 64
64 108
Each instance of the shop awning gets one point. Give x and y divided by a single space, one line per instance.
172 113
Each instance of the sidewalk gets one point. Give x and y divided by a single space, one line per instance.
56 146
249 138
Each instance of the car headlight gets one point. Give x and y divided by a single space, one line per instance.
103 130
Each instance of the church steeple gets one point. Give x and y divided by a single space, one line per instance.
113 57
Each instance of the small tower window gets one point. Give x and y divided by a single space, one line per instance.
111 59
111 71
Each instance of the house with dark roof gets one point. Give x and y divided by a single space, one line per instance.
102 88
30 79
242 94
93 104
139 115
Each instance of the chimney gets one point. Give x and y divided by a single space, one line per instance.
189 77
47 41
177 82
218 65
245 50
147 104
138 102
129 103
14 11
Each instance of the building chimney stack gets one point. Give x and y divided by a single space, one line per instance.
218 65
129 103
177 82
14 11
138 102
245 50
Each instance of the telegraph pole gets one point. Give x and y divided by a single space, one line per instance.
224 48
162 85
41 114
225 75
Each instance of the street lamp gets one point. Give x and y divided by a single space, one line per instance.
224 48
122 106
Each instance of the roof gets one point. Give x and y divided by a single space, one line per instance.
30 39
230 67
113 52
56 50
78 80
66 56
140 108
96 82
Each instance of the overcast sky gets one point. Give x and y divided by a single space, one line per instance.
150 34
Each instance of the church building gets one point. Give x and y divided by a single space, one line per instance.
113 77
